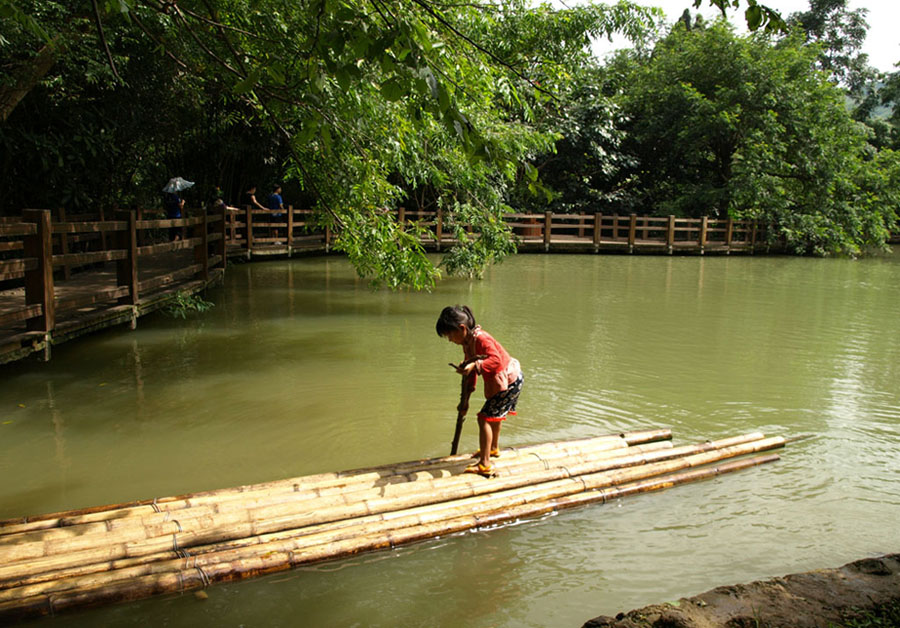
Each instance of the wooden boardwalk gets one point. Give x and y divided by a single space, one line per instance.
60 278
547 232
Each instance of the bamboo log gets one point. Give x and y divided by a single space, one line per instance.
130 530
333 479
192 574
379 498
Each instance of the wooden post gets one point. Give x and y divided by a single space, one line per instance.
401 215
141 236
39 282
220 247
548 224
103 243
753 237
290 226
670 234
439 228
615 231
64 242
632 230
327 237
127 269
201 251
704 226
598 227
249 222
729 230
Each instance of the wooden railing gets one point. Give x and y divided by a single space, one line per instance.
251 228
259 231
35 248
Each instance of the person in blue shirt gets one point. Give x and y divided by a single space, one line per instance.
276 204
275 200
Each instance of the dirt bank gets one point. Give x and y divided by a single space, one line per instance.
823 598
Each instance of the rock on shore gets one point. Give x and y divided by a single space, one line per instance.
821 598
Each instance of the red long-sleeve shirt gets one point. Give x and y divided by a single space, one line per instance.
498 369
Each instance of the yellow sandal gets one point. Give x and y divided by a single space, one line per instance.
481 470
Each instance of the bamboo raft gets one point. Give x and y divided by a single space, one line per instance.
89 557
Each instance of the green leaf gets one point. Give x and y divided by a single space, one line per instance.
248 83
443 98
343 78
753 15
393 90
307 130
276 72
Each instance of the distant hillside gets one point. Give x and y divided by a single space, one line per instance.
881 112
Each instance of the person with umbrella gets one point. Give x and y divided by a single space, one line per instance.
173 203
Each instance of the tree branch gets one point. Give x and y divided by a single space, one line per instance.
109 57
428 9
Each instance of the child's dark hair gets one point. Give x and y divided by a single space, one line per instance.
452 317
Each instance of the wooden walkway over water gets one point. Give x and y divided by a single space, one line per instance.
63 277
253 232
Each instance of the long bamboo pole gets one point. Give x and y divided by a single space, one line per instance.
192 575
121 538
331 479
84 525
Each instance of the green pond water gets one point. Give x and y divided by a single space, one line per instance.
302 368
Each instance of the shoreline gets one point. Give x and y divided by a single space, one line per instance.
819 598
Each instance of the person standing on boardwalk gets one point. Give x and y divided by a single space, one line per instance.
276 205
174 205
250 198
502 376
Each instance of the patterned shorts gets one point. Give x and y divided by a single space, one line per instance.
497 407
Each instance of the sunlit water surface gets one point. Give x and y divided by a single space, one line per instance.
302 368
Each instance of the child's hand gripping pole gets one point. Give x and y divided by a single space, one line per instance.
463 406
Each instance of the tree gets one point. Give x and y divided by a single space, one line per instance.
370 103
745 127
840 33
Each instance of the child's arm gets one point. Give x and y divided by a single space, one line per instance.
466 368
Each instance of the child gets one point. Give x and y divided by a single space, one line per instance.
502 379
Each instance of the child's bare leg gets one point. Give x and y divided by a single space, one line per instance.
495 435
485 436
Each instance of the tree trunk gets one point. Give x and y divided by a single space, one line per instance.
26 78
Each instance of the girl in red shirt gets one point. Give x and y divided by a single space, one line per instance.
502 379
